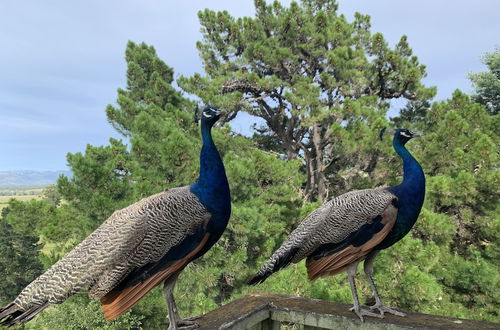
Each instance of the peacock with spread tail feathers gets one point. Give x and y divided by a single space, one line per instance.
140 246
354 227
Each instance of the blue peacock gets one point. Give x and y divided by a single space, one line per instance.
140 246
354 227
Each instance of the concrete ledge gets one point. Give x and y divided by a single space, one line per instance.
265 311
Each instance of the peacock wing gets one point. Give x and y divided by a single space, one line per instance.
343 245
330 224
130 238
176 231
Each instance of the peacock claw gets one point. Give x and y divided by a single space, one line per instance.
363 312
185 324
192 318
383 309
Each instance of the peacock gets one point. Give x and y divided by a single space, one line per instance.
141 246
354 227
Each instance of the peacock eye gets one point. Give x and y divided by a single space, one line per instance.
207 115
405 134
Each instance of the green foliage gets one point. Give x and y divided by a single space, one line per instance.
100 182
487 84
461 209
413 112
148 85
19 263
435 227
79 313
25 217
159 123
51 195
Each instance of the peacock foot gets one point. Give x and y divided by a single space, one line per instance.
186 324
383 309
192 318
363 312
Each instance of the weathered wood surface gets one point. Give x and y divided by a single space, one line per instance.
265 311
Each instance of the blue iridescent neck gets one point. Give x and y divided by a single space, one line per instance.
411 191
413 175
212 187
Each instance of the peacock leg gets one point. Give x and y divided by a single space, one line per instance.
368 267
175 321
352 269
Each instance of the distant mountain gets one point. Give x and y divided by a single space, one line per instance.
25 178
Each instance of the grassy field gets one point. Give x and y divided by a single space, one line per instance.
23 195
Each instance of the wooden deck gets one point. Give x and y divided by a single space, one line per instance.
270 311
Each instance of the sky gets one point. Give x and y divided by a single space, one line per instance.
61 62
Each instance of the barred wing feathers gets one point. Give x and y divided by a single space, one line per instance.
356 215
139 234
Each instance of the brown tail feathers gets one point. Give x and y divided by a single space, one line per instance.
116 303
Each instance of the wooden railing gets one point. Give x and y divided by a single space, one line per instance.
270 311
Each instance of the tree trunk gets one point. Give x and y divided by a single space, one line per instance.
290 153
308 193
319 173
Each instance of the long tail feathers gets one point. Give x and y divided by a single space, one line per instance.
258 278
12 314
274 264
116 303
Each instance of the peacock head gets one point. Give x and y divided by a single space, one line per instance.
209 115
403 135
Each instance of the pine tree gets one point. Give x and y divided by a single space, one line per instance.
19 263
317 80
487 84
